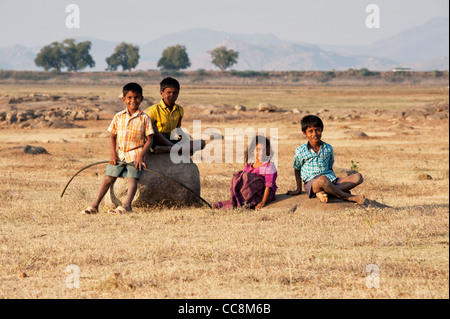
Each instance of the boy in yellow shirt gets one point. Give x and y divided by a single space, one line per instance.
166 116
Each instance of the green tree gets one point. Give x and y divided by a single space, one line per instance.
67 54
77 56
223 58
174 58
125 55
51 57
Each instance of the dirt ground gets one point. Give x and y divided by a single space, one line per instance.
394 246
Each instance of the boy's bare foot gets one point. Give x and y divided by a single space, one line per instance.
359 199
120 210
322 196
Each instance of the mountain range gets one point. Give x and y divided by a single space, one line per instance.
422 48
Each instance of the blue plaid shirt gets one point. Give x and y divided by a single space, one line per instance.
311 164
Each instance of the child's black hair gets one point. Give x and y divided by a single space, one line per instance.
311 121
132 87
249 151
169 83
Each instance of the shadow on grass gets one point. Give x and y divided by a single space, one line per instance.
334 203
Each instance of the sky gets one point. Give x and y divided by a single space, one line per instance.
331 22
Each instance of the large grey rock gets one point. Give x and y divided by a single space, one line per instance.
153 189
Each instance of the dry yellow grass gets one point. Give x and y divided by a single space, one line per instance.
159 252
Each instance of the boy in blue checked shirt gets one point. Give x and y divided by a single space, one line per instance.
313 164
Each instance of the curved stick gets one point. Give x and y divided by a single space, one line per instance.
145 169
70 180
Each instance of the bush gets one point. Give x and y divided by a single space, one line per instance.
201 72
436 73
172 73
249 74
367 72
4 74
27 75
352 71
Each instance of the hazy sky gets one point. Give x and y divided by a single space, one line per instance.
40 22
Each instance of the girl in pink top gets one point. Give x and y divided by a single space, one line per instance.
261 165
254 186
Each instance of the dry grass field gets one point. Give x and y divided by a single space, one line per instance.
299 248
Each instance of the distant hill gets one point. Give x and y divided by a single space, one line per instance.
17 57
422 48
256 52
425 47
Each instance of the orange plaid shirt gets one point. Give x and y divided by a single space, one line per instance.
132 132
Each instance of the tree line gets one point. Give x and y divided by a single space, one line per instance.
76 56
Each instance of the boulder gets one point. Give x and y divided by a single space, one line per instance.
267 107
153 189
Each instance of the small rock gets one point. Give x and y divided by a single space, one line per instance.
34 150
11 117
92 117
62 124
357 134
42 124
267 107
292 209
207 111
240 108
80 116
423 177
24 124
114 277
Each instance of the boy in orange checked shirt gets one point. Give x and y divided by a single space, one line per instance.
131 138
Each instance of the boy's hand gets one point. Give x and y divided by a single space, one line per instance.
114 159
294 193
139 162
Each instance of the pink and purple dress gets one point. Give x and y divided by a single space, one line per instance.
248 186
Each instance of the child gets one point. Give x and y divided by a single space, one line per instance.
131 138
313 164
254 186
167 115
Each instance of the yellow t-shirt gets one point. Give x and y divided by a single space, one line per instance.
164 119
